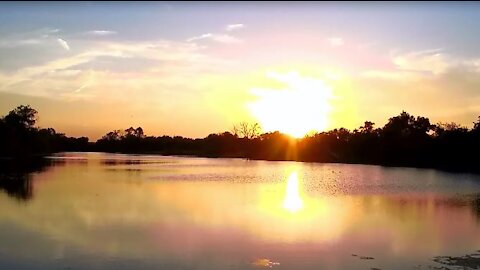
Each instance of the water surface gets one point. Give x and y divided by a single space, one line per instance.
112 211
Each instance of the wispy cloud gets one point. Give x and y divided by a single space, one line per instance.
101 32
335 41
431 60
63 43
233 27
226 39
87 83
53 78
40 36
49 32
429 63
22 42
222 38
82 87
208 35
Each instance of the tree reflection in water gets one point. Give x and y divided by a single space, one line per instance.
16 178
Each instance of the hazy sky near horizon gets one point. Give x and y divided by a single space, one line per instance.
195 68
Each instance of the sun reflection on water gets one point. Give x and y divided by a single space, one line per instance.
265 263
292 202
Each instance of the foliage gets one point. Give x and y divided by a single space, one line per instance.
19 137
405 140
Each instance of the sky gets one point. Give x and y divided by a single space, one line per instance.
195 68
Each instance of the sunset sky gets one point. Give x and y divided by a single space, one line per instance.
192 69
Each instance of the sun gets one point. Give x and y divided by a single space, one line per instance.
300 108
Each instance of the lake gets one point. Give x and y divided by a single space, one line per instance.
115 211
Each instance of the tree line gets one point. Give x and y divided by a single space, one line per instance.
19 137
405 140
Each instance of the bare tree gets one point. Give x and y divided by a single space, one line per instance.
246 130
235 131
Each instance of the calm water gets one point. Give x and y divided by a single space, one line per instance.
108 211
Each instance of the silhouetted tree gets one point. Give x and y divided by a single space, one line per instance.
113 135
406 125
405 140
22 117
139 133
476 125
19 137
440 128
246 130
367 127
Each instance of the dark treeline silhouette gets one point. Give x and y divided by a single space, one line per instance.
405 140
19 137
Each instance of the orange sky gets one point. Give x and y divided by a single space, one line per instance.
172 69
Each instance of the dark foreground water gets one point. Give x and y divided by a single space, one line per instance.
107 211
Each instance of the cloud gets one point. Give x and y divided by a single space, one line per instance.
208 35
233 27
416 64
226 39
48 32
161 50
423 61
422 82
219 37
63 43
22 42
101 32
150 64
81 87
335 41
222 38
37 37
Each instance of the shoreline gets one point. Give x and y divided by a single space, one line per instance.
39 158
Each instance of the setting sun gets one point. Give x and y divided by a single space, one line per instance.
301 107
239 135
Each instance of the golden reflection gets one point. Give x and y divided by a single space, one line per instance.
292 201
174 213
264 263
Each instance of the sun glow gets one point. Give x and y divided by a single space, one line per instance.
300 108
292 201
